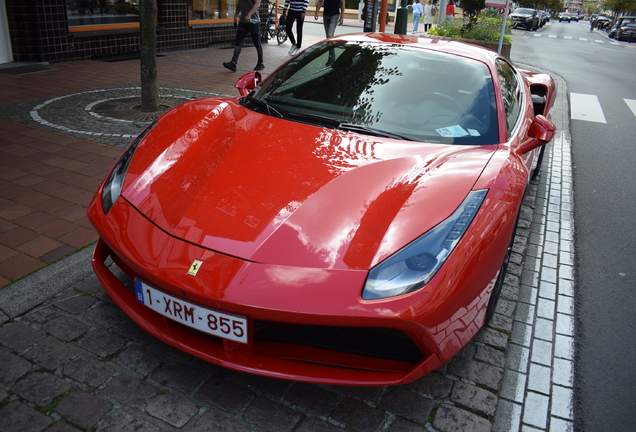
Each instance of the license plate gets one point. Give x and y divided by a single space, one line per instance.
207 320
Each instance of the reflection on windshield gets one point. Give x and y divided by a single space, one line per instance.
389 90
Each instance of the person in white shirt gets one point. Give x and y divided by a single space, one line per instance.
429 13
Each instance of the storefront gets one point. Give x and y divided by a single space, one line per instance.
63 30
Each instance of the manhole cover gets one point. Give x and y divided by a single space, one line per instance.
129 108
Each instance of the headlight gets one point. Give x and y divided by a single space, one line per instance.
416 264
115 181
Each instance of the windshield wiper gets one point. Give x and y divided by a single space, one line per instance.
350 127
267 107
317 119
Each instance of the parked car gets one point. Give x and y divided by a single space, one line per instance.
525 18
341 222
626 32
568 17
602 22
545 17
618 23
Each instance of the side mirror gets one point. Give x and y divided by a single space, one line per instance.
248 82
541 131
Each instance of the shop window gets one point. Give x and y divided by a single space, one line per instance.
113 13
200 11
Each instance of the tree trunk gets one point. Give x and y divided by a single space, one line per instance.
148 43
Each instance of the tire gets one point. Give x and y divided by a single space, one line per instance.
281 37
496 291
537 169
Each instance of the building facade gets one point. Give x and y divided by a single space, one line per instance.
66 30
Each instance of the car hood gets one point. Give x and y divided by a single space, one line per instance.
270 190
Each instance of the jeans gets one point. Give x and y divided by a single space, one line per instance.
242 30
416 21
330 22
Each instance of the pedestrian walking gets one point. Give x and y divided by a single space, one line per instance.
417 13
248 22
294 11
429 13
332 15
450 9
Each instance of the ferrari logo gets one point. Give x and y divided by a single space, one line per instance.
194 268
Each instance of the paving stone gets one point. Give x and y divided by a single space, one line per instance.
492 337
178 376
101 342
121 421
404 426
3 395
271 415
407 404
40 387
480 373
474 398
453 419
223 394
129 390
42 314
16 417
61 426
88 370
130 330
508 417
490 355
359 415
433 384
172 409
74 303
312 397
535 412
513 386
139 360
50 353
371 394
18 335
213 421
260 384
83 409
13 367
106 316
65 328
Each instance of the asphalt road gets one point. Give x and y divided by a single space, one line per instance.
605 204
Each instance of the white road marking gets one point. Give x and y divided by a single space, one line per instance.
537 35
586 107
598 41
553 36
567 37
583 39
631 103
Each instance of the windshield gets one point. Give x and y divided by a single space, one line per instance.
524 11
384 90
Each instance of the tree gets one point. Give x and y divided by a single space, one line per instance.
620 6
148 47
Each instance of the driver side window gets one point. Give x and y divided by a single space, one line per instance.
511 93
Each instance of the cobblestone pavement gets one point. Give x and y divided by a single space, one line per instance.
73 361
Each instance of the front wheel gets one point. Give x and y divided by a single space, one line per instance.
281 37
496 291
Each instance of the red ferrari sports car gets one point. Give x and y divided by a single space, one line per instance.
346 220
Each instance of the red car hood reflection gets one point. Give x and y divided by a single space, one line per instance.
269 190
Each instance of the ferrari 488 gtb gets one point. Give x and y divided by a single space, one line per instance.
346 220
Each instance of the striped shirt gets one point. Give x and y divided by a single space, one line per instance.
297 5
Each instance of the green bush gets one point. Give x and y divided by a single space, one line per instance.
487 28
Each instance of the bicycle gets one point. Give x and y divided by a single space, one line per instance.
268 31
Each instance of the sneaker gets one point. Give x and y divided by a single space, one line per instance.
291 50
230 65
259 67
296 51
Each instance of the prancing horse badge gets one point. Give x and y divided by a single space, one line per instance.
194 268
